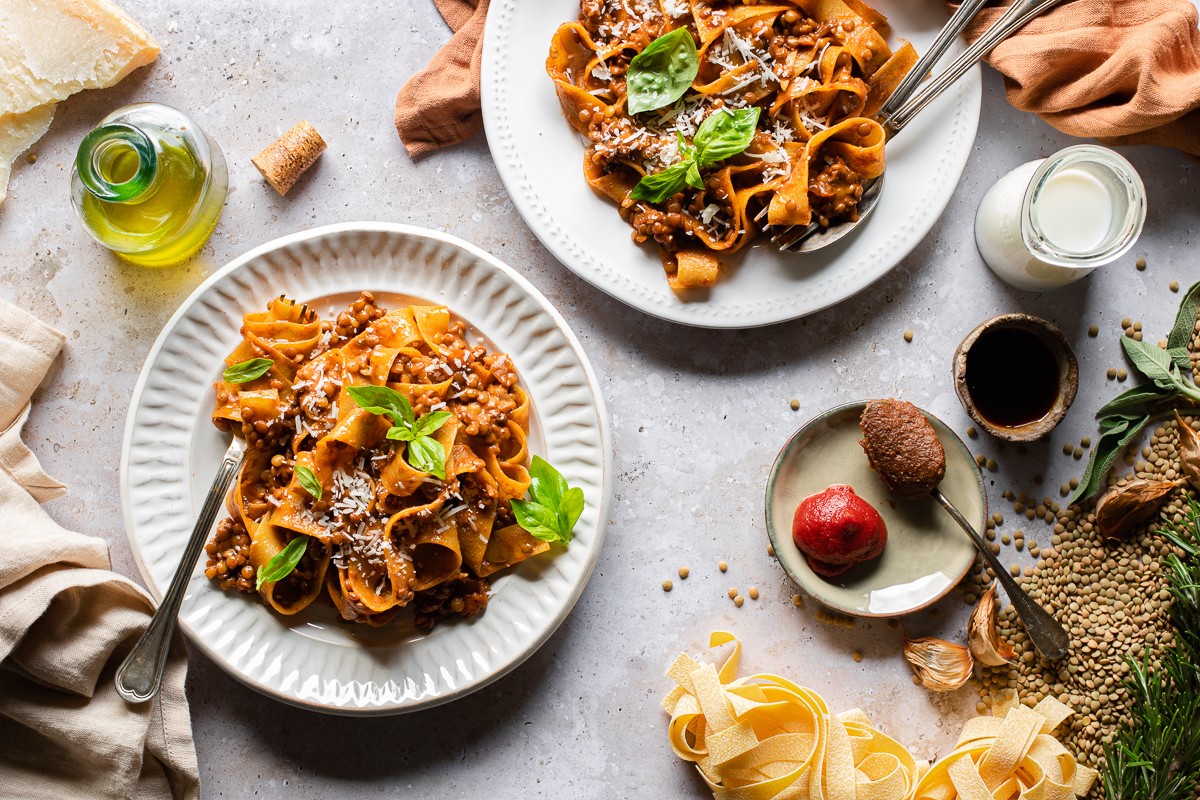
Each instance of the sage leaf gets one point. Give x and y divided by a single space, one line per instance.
659 186
724 134
1180 337
1117 432
428 455
247 371
308 481
662 73
283 562
1136 397
1150 359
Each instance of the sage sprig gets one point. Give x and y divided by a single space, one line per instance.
1169 385
283 562
423 452
246 371
661 73
553 508
722 135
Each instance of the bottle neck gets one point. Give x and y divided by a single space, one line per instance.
117 162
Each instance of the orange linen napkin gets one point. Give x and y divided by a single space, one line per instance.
1122 71
439 106
66 621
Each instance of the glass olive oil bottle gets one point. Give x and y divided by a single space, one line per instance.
149 184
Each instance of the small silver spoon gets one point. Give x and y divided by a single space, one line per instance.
140 675
812 237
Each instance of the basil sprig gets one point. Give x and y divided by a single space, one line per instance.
553 508
1169 385
423 452
722 135
660 74
308 481
283 562
247 370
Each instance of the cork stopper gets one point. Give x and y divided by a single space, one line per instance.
289 156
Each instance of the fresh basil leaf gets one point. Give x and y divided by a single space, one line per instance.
308 481
398 434
658 186
429 423
541 522
692 176
548 485
662 73
1150 359
1138 396
725 133
384 400
427 455
283 562
1121 430
569 510
1180 337
247 371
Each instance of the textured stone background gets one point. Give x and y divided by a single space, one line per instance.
697 416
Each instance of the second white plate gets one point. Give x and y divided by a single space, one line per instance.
540 159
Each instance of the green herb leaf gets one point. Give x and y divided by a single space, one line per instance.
656 187
384 400
396 433
308 480
660 74
725 134
1136 397
429 423
1182 358
1117 431
247 371
1180 337
282 564
1151 360
427 455
548 485
555 507
541 522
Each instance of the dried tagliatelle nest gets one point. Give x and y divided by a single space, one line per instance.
761 737
940 665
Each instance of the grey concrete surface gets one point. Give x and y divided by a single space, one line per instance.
697 416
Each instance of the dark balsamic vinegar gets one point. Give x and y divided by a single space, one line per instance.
1012 376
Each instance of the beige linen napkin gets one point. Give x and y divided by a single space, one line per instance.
66 622
1122 71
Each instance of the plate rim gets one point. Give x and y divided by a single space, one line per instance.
387 228
773 534
970 89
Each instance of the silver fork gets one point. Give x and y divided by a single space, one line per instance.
900 108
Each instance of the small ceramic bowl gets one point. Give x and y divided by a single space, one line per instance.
1068 369
926 554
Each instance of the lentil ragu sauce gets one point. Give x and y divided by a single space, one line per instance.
382 534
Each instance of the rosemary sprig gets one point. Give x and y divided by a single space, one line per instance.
1156 754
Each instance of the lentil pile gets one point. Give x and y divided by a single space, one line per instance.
1111 595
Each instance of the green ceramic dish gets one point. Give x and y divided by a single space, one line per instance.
926 555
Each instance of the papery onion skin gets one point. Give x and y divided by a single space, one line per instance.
987 647
940 665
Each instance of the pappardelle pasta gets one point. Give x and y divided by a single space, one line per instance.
706 120
386 458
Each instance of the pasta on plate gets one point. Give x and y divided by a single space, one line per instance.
373 519
706 120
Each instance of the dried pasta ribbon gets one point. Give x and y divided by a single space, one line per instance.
762 737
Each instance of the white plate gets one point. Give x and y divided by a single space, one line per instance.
172 450
540 159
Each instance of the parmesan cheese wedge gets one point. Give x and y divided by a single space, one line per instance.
50 49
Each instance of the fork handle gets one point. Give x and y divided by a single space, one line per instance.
904 90
1018 13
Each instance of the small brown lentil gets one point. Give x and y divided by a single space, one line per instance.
1086 441
857 656
972 432
753 592
737 601
992 465
908 336
733 592
795 405
684 572
723 566
1174 286
797 600
1093 331
1140 263
1122 374
667 586
771 550
1111 373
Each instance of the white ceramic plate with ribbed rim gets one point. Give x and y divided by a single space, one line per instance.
540 159
171 451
